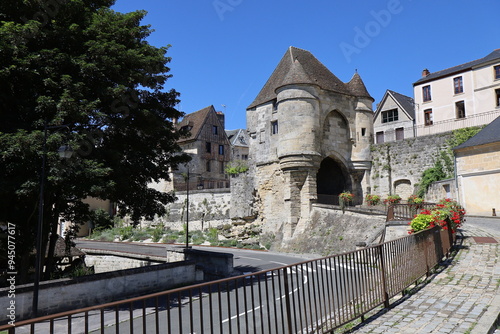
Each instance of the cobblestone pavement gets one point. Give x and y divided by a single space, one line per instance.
462 298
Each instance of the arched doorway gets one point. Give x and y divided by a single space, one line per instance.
330 181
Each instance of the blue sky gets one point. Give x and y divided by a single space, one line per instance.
223 51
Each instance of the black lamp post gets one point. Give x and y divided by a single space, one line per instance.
66 152
187 207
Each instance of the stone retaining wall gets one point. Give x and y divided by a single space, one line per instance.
398 166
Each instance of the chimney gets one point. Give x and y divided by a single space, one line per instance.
222 119
425 73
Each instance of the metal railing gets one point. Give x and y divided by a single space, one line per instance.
389 134
309 297
406 212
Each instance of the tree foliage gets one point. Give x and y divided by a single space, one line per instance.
80 64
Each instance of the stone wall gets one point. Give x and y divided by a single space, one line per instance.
397 167
442 189
242 196
333 232
106 263
207 208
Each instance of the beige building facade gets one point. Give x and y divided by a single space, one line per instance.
458 97
478 171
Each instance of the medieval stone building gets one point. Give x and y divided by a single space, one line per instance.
310 136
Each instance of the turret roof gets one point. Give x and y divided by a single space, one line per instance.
357 87
299 66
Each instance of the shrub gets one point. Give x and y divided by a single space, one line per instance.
392 199
126 232
236 167
346 196
372 199
414 199
157 233
446 211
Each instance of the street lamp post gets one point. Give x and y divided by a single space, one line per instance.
64 152
187 208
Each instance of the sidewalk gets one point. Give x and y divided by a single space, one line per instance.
462 298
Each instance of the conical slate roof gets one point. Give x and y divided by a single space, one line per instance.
357 87
299 66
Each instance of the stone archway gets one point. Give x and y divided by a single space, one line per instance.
331 180
403 188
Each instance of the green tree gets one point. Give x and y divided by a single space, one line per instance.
79 63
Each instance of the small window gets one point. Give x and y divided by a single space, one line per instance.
458 85
274 127
215 129
244 156
208 147
428 117
221 149
208 166
460 109
497 97
275 105
497 71
221 166
400 133
363 132
380 137
390 116
426 90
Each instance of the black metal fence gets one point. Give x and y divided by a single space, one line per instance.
309 297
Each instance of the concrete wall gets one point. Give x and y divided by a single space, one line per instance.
68 294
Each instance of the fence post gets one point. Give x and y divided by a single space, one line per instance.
287 300
382 270
390 213
450 237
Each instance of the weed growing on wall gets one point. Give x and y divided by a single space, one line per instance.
444 166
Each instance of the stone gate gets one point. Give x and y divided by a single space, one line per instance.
310 137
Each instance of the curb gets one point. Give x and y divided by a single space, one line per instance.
487 323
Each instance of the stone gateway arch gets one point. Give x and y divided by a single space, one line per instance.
310 136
